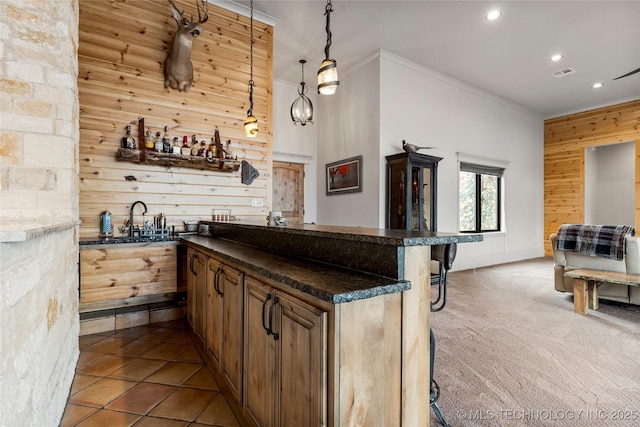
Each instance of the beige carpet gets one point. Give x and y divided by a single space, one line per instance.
511 352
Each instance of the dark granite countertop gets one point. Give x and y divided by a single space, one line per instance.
370 250
379 236
326 282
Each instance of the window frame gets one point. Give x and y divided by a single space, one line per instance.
479 171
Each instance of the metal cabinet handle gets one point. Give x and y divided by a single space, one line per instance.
216 281
193 257
193 268
264 305
275 334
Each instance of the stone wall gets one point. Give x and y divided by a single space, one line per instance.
39 321
38 209
39 41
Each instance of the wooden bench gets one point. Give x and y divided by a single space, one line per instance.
585 288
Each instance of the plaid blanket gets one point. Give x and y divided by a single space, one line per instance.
606 241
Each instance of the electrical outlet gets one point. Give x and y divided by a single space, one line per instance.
256 203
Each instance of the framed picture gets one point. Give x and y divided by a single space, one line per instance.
344 176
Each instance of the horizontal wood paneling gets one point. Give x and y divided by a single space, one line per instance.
121 51
113 273
565 139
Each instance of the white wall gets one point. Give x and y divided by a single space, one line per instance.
427 108
614 196
386 99
349 125
295 143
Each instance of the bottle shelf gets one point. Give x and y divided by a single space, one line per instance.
176 160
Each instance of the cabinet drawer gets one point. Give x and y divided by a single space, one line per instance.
118 273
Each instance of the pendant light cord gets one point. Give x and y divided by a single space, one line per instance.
250 112
302 88
327 11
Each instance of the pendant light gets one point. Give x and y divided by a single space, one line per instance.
251 123
328 73
302 108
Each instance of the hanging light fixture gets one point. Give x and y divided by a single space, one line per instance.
328 73
251 123
302 108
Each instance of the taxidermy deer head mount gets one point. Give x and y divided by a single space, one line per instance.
178 70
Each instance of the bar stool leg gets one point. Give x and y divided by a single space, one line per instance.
435 389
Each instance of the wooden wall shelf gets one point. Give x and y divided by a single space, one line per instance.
169 160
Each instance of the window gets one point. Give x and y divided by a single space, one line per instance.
480 196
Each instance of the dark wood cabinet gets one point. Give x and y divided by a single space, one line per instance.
412 180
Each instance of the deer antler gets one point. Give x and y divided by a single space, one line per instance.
206 12
201 20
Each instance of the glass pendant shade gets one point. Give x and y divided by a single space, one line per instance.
302 111
251 126
328 77
302 108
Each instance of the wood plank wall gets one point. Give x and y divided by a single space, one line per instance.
122 48
565 140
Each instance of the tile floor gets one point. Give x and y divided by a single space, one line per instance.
149 375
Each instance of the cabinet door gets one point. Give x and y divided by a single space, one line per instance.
191 289
231 287
302 337
197 299
259 355
214 312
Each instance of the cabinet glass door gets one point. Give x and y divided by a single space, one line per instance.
398 196
420 198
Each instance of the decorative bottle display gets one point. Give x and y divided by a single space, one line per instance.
161 148
128 141
166 141
148 140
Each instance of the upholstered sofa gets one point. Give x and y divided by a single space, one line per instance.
568 260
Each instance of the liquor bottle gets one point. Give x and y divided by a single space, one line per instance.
148 140
166 141
228 151
185 150
128 141
158 142
219 149
176 145
194 146
213 149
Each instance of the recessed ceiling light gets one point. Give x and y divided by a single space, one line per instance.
494 14
597 85
555 58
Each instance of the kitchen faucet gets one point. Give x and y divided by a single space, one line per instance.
131 215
